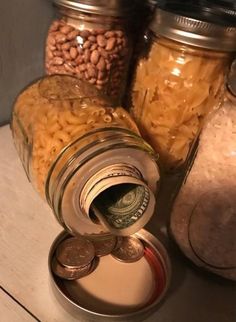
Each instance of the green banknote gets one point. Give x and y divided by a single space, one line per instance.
121 205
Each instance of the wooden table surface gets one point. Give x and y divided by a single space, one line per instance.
27 231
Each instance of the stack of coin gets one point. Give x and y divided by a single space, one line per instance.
76 257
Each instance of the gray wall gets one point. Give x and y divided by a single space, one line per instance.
23 28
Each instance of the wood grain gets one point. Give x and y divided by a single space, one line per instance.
11 311
27 231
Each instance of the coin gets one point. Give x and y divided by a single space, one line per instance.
103 245
75 252
119 240
93 264
130 250
70 273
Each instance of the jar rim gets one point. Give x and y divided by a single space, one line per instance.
180 26
115 8
68 176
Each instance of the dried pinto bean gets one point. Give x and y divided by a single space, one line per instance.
101 40
73 52
94 58
60 38
101 65
87 44
49 53
111 42
57 61
86 55
71 35
66 29
92 38
85 33
94 46
65 46
66 55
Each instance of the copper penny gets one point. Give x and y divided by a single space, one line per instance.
119 240
70 273
130 250
103 245
75 252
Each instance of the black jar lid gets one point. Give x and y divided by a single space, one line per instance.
195 25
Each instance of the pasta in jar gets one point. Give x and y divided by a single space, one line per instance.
81 154
176 85
43 124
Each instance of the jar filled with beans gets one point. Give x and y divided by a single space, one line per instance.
84 156
92 40
180 78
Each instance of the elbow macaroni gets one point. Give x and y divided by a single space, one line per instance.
43 127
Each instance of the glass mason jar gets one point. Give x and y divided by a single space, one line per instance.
203 221
85 157
179 80
92 40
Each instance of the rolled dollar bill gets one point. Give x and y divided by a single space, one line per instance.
123 205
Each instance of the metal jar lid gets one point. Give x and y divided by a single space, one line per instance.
225 7
112 289
195 26
115 8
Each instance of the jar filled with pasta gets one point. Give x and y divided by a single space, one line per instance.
180 78
92 40
85 157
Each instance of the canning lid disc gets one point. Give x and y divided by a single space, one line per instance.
104 293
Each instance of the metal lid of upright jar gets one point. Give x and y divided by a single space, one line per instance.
214 31
225 6
114 8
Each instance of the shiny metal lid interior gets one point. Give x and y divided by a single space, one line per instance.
197 26
114 8
71 296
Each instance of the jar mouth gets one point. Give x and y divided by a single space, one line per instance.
119 200
110 151
121 206
120 203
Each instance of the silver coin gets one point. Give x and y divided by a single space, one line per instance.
70 273
75 252
130 250
103 245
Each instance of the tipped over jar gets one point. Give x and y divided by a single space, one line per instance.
93 41
85 157
180 79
